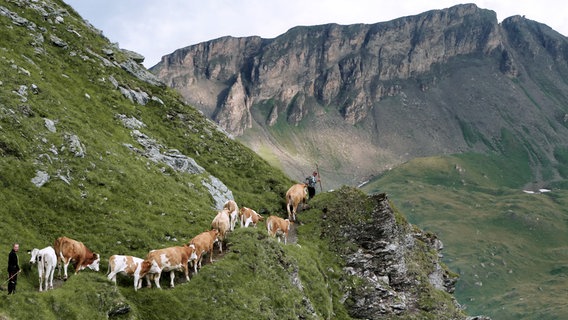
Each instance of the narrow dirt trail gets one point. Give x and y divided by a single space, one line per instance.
293 234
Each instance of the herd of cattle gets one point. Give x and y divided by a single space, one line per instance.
66 250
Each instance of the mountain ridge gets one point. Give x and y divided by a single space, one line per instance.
387 86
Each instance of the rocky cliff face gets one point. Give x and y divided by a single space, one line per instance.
397 89
397 266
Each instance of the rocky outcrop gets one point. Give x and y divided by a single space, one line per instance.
398 266
234 113
175 160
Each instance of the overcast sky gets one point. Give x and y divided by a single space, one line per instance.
156 28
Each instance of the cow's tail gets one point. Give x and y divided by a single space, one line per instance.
58 259
57 248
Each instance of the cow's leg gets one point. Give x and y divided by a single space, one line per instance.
172 276
186 271
200 260
157 280
194 262
137 282
46 279
295 211
40 274
112 276
51 272
44 276
148 281
220 247
65 266
79 266
58 266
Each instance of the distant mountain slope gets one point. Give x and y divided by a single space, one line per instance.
360 99
508 245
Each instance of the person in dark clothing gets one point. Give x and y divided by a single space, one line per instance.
13 269
311 181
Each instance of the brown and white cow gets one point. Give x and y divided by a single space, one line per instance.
248 216
130 266
221 223
277 226
296 194
170 259
203 243
233 209
46 262
68 250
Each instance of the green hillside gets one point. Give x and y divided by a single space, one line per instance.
98 172
508 246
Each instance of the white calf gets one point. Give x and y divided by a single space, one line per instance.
46 262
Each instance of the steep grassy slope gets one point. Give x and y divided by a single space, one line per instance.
86 152
508 246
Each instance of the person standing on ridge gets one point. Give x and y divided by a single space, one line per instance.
13 269
311 181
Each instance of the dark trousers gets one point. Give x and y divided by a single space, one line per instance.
311 192
12 282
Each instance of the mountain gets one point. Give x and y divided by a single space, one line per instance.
96 148
361 99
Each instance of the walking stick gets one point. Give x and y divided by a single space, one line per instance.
319 177
3 283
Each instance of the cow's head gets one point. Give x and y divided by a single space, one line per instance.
193 255
95 264
34 253
149 267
